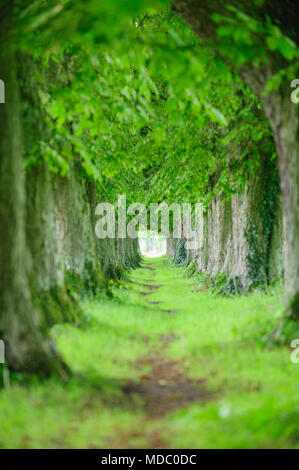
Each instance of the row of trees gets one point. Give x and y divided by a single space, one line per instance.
127 96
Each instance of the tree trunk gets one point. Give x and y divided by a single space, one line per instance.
27 345
281 112
284 119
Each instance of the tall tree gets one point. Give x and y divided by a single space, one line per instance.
28 348
281 112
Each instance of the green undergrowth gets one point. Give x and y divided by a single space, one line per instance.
252 383
221 284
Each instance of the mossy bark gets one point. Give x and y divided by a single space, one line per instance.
22 325
281 112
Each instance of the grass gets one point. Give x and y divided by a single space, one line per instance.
254 387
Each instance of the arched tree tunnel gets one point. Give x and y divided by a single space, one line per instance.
117 115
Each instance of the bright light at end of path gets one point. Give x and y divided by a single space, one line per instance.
152 244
